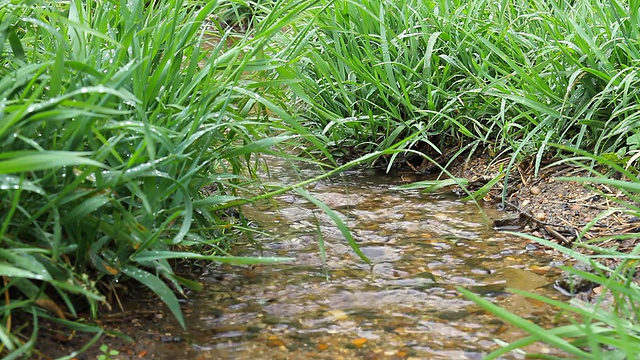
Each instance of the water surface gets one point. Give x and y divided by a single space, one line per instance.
403 305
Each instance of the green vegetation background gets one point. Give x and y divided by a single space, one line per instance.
115 115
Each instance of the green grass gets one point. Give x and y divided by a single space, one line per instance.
498 75
596 331
114 115
507 78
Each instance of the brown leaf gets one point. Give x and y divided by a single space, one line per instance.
274 341
51 306
110 270
540 270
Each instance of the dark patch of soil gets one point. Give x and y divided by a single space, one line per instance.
129 331
565 211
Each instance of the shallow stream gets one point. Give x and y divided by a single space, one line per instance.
403 306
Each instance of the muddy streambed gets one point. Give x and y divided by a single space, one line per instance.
404 305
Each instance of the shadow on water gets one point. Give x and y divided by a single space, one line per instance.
404 305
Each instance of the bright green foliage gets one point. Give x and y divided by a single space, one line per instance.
512 76
107 353
114 115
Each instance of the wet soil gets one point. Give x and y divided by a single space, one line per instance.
565 211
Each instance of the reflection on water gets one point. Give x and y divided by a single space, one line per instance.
404 305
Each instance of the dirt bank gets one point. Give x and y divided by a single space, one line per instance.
546 206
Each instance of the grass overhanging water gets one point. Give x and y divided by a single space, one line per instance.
506 78
115 115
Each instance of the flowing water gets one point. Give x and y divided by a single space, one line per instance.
403 305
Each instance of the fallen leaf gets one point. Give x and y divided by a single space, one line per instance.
501 329
111 270
535 302
359 342
540 270
50 305
274 341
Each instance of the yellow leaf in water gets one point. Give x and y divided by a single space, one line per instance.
359 342
540 270
535 302
274 341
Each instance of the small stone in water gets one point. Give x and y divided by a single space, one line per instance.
453 315
336 314
170 338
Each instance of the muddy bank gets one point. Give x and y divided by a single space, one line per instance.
542 204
